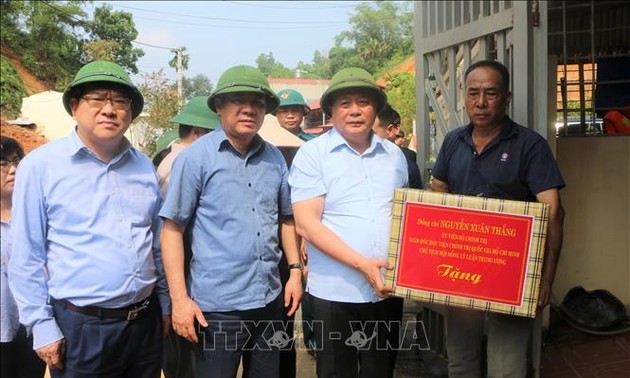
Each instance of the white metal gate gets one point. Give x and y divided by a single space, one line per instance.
449 36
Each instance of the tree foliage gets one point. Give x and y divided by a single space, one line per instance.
10 83
45 36
118 30
102 49
268 65
380 31
185 59
319 68
198 85
55 38
381 36
401 94
160 105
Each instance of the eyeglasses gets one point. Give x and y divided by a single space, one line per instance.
5 164
99 100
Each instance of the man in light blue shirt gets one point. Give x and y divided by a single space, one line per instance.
229 190
342 189
86 264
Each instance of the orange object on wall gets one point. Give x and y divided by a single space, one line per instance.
617 121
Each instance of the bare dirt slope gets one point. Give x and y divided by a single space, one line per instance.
31 83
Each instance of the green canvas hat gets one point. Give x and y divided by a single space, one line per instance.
291 97
105 72
166 139
352 77
197 113
244 79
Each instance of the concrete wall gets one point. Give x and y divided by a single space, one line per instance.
596 251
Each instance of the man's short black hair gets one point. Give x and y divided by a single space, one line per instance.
184 130
495 65
388 116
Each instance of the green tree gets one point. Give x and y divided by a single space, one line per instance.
44 35
320 68
54 39
118 29
101 49
381 31
268 65
401 94
185 59
198 85
12 90
160 105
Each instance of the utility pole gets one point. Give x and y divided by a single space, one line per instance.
180 78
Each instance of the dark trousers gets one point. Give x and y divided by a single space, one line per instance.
18 359
359 339
178 357
288 356
100 347
307 324
255 335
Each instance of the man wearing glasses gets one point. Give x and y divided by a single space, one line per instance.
86 270
229 190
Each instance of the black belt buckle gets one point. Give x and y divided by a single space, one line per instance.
134 313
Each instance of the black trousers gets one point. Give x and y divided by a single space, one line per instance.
359 339
102 347
18 359
178 357
288 356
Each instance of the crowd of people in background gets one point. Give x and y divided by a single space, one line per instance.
195 262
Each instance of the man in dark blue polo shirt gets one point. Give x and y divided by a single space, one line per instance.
497 158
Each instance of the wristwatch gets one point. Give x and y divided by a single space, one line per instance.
296 266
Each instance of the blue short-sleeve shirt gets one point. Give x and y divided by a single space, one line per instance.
231 205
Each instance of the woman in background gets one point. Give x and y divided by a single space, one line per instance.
17 357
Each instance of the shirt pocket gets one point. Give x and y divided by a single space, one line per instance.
141 206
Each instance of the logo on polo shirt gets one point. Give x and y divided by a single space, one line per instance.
504 156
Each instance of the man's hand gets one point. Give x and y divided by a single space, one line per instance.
371 269
185 311
293 291
52 354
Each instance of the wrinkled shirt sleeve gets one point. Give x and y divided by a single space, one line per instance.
27 274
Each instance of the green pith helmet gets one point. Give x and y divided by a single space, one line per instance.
106 72
244 79
166 139
290 97
196 113
352 77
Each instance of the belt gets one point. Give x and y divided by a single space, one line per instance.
131 312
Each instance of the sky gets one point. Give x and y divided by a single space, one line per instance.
221 34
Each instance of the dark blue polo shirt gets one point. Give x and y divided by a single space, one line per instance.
516 165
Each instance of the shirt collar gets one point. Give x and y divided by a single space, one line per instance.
224 142
508 130
76 146
336 141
